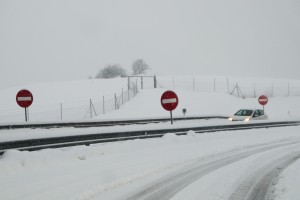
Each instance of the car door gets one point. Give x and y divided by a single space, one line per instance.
258 115
255 115
262 114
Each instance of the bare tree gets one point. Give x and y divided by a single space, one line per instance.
112 71
139 67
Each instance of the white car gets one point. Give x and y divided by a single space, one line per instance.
248 114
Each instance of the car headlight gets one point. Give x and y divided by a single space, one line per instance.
230 119
247 119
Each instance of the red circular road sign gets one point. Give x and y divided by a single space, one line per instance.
24 98
263 100
169 100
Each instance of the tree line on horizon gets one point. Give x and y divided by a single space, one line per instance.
139 66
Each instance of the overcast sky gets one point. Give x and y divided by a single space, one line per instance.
48 40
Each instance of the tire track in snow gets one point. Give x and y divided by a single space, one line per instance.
257 186
166 188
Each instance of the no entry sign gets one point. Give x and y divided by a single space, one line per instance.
169 100
263 100
24 98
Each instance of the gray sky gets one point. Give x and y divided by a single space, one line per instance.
48 40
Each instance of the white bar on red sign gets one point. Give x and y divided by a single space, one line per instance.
263 100
24 98
164 101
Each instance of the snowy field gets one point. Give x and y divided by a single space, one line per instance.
123 170
70 100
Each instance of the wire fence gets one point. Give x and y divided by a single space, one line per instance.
89 108
245 88
75 110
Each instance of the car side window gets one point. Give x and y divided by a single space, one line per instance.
248 113
261 112
244 113
256 113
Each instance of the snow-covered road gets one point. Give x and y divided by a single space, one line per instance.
207 166
272 159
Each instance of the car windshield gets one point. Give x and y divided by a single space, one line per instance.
244 113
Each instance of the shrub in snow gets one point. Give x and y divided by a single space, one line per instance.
139 67
112 71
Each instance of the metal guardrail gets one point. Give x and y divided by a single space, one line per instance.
66 141
102 123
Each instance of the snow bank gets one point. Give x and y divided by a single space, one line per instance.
287 186
105 171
